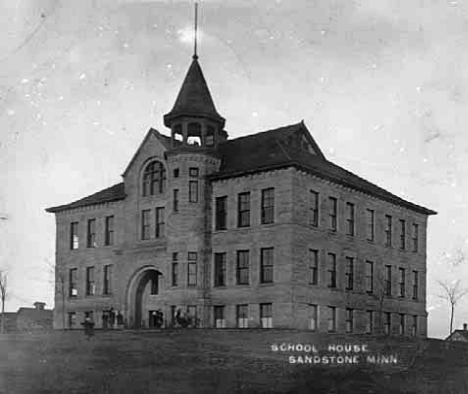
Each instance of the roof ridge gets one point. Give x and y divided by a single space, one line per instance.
265 131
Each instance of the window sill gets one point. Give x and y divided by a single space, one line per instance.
266 284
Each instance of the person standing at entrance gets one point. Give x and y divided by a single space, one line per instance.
88 327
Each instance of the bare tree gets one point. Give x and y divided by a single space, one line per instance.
3 294
453 292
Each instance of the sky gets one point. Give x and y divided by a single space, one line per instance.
382 86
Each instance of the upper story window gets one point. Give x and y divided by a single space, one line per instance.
74 238
350 218
160 223
369 278
73 282
90 283
402 234
194 134
266 265
154 179
220 269
349 273
109 231
192 269
314 208
107 282
333 213
370 224
242 269
176 172
194 172
243 210
415 237
268 205
388 230
331 270
145 224
91 239
221 213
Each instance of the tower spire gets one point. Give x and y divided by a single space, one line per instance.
195 55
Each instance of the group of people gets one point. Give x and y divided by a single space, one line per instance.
110 320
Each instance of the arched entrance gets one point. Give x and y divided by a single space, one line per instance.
143 284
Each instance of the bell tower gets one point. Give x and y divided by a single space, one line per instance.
196 131
194 119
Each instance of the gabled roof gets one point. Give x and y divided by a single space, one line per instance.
280 148
462 333
113 193
288 146
194 98
164 139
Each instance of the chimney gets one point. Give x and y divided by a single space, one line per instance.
39 306
465 327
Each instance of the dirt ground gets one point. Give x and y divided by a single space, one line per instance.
220 361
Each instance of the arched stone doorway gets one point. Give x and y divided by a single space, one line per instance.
145 282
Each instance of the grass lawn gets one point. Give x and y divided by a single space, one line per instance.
219 361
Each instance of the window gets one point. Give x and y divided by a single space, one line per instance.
71 319
173 314
90 283
266 315
107 285
210 132
370 224
313 317
401 328
349 320
369 276
154 284
175 269
349 273
72 283
193 172
175 200
91 238
242 316
415 285
388 280
109 231
402 234
193 191
349 218
74 239
415 237
192 269
176 172
266 265
331 319
220 322
160 226
370 322
220 269
90 315
402 282
314 208
414 326
333 213
243 210
154 179
221 213
242 272
145 224
313 268
331 270
387 322
268 206
388 230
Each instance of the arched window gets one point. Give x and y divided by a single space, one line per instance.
154 179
